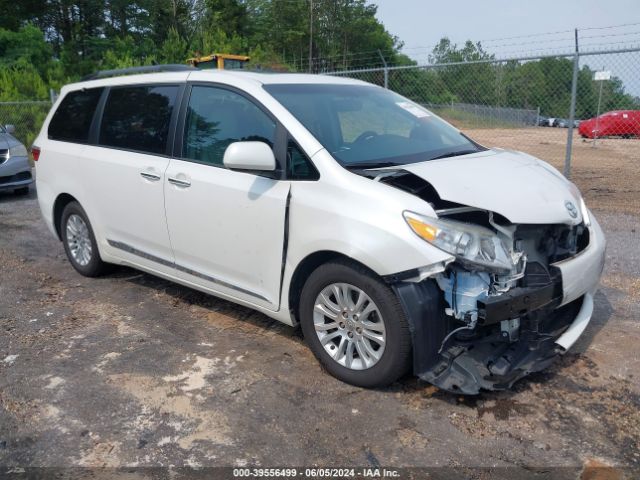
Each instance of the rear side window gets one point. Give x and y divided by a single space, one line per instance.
72 120
137 118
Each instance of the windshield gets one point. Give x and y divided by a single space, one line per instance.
368 126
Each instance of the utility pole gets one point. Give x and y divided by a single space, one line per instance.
572 110
310 35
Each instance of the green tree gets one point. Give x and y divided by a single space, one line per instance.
229 16
174 49
471 83
27 44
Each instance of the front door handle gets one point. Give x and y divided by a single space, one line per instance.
152 177
179 183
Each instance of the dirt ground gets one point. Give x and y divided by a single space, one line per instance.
131 370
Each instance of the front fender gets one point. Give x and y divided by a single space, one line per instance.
360 219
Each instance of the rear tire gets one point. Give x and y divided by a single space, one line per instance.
340 330
79 242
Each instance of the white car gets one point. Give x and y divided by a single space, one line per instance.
392 238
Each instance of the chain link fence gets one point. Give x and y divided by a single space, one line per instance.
581 107
26 117
580 110
487 115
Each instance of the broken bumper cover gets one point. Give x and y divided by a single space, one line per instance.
492 366
552 319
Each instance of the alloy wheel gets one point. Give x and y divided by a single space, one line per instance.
78 239
349 326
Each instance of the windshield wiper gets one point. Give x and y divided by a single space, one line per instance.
368 165
455 154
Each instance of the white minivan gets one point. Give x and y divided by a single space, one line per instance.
392 238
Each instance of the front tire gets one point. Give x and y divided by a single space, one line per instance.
21 191
79 242
355 326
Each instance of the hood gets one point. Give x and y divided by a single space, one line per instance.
513 184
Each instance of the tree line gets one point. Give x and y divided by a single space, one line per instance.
48 43
45 44
543 84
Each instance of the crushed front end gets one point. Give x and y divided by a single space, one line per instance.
521 302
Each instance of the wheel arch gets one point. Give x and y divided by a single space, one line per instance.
306 266
61 201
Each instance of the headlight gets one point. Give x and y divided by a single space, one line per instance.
585 212
18 150
470 244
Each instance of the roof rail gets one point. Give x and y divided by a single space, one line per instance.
176 67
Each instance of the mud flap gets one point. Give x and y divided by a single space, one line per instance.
452 370
423 306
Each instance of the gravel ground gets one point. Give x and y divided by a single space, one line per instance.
131 370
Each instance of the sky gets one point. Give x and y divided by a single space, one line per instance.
521 27
421 23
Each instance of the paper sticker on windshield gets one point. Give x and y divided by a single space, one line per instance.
413 109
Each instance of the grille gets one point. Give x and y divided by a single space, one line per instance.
548 244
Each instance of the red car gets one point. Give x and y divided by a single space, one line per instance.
620 123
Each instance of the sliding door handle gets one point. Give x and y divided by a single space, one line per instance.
152 177
179 183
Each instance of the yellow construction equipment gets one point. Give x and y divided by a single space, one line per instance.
221 61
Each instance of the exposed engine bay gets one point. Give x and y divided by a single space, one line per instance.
493 312
532 249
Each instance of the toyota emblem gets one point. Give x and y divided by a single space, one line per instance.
571 208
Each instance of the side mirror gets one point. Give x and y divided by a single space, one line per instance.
256 156
10 128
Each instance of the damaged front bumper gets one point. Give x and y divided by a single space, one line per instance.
550 317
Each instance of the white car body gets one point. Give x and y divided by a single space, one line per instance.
271 227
